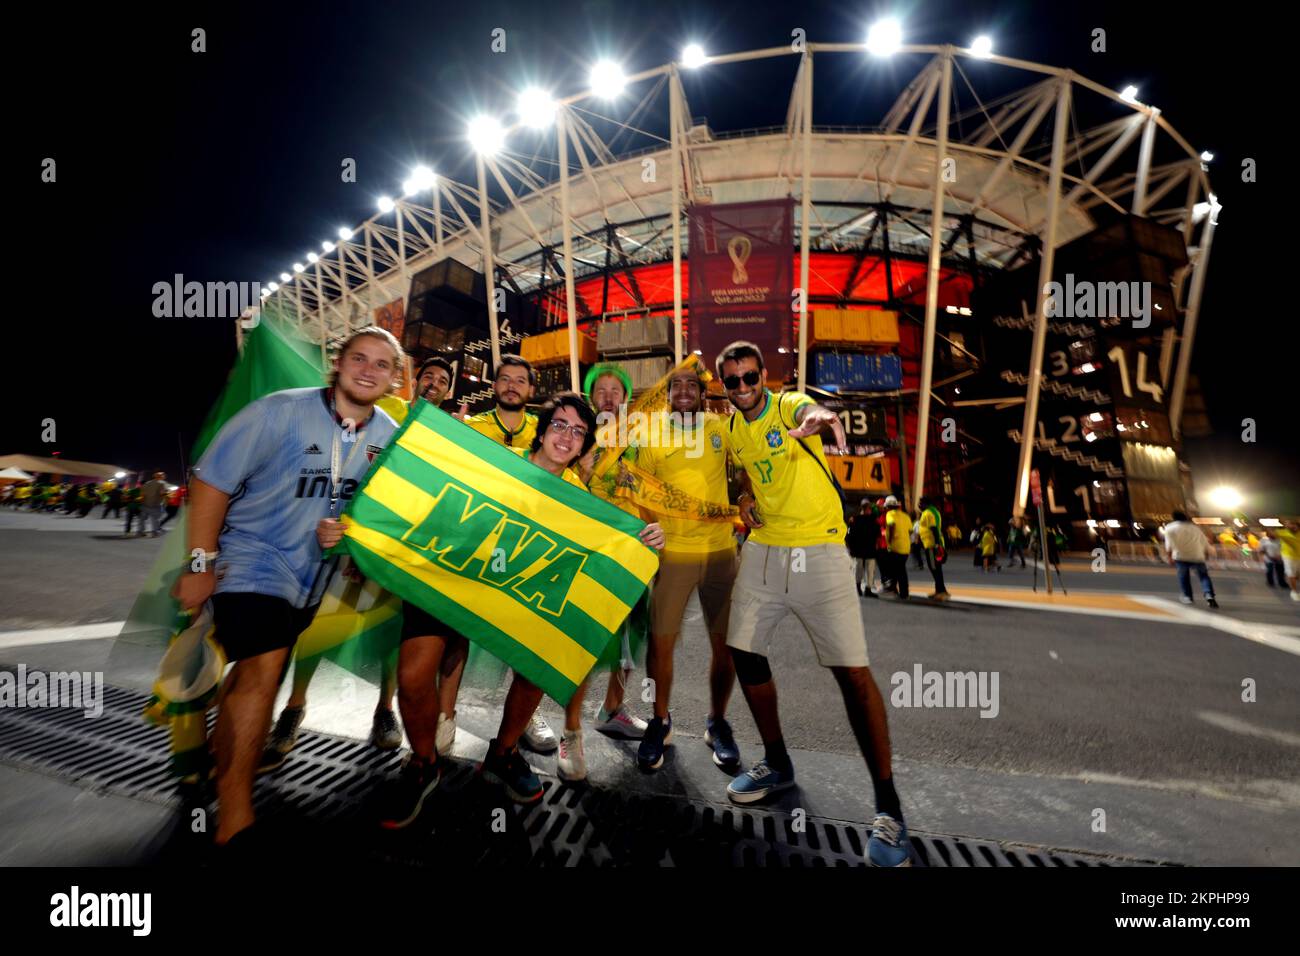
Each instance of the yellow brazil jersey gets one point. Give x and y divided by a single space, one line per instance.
569 474
490 424
1290 542
797 502
898 528
693 461
396 407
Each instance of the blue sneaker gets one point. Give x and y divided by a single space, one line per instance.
759 782
658 734
512 772
888 844
717 734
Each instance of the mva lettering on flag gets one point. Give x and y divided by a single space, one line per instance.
536 571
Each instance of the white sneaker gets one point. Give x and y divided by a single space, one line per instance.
539 736
620 724
1184 599
446 734
1295 595
572 762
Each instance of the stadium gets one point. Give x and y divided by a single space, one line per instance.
899 271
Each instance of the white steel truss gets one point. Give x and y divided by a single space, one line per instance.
590 203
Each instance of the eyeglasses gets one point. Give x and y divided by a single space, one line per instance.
732 382
577 431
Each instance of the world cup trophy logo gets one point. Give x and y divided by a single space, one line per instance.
738 250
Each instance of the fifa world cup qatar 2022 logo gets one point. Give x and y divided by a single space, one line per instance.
739 249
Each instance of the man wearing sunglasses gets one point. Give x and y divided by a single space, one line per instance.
795 562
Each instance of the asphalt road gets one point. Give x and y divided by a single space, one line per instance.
1081 697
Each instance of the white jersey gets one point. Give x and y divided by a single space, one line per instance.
1184 541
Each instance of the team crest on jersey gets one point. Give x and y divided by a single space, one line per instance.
773 437
717 441
372 451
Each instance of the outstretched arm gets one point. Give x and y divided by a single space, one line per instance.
812 419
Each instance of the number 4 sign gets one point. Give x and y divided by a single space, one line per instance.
860 473
1119 355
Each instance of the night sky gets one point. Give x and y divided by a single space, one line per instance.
224 166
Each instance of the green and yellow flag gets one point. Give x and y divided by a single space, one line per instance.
535 570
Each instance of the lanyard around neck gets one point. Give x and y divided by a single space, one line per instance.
336 452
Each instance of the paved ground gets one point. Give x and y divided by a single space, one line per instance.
1112 697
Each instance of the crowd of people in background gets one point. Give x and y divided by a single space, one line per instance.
148 504
882 536
884 539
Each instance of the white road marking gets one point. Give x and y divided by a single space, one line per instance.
1266 634
58 635
1032 605
1238 726
1267 792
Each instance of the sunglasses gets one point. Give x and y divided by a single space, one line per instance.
732 382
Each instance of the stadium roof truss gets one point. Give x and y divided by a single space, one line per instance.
1021 173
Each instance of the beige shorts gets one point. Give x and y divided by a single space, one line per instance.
815 584
679 575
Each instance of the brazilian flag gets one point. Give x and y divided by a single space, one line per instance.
536 571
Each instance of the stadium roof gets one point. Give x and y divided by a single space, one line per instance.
60 466
1120 154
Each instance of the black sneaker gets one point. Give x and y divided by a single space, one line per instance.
658 734
512 772
1211 602
718 735
402 799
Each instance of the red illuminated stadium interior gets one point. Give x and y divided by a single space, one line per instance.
836 280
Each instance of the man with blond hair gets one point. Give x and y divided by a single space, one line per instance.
275 471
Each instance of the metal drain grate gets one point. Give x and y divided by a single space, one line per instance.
325 793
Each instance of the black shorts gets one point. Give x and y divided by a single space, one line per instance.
417 622
249 624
